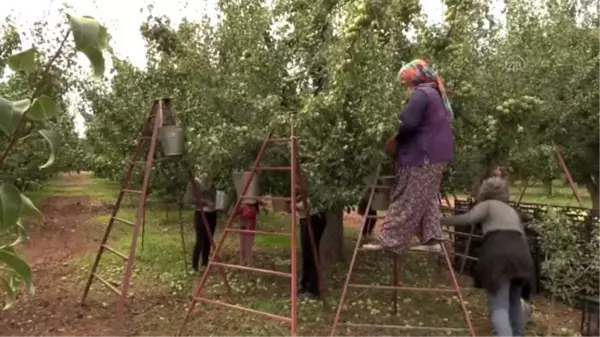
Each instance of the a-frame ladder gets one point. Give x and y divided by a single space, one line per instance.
296 177
159 114
397 269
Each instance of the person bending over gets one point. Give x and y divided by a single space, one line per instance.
505 265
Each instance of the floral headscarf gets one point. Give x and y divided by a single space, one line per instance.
418 72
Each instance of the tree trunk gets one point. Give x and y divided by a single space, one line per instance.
332 243
548 187
592 187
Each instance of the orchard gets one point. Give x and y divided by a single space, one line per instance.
523 88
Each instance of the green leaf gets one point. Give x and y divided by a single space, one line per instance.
43 108
20 267
21 238
23 61
53 140
29 207
85 31
11 205
11 295
96 60
90 38
10 114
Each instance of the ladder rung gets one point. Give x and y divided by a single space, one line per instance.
115 251
274 168
410 249
375 216
263 271
433 290
465 256
124 221
267 198
234 306
106 283
132 191
383 187
278 140
402 327
248 231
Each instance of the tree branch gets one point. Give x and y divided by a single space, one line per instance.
38 89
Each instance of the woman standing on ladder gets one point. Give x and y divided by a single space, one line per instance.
423 146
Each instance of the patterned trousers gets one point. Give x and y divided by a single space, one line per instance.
414 208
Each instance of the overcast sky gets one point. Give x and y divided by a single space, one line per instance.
122 18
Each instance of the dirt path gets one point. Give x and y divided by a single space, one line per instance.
64 235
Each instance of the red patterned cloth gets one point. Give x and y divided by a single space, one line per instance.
247 215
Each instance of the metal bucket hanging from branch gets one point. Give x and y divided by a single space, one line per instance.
172 140
240 179
222 202
172 137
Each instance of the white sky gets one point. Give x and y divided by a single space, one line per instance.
122 18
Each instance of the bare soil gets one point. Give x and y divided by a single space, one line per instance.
63 235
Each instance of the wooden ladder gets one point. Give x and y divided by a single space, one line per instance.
296 177
397 268
148 135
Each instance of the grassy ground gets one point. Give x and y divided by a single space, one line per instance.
562 195
161 289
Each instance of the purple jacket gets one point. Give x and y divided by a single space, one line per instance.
425 134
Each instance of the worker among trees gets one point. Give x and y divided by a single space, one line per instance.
202 196
317 221
423 147
505 265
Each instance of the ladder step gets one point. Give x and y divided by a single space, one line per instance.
248 231
382 187
410 249
464 256
106 283
402 327
132 191
234 306
124 221
263 271
115 252
278 140
433 290
273 168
